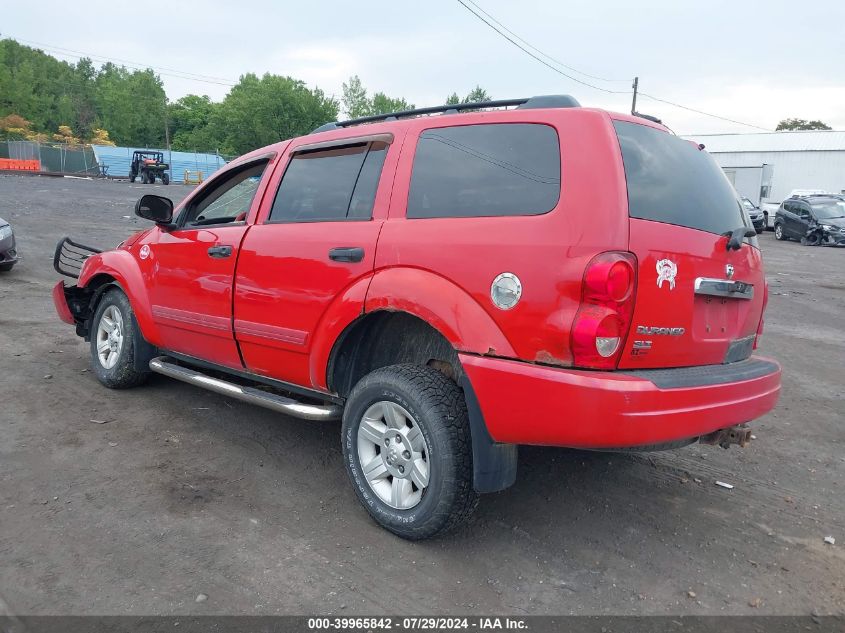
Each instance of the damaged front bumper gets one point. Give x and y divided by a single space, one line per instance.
824 236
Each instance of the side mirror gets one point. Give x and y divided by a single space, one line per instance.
156 208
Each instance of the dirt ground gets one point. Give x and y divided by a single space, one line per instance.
182 492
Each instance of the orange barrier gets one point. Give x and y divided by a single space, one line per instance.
13 164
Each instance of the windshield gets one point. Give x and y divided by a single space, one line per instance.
670 180
829 209
748 204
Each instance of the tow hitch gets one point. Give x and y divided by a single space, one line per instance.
739 434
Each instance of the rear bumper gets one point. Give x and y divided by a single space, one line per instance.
532 404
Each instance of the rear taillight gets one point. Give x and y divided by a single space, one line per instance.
762 314
607 303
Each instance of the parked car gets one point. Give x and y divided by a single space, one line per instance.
815 220
770 208
755 214
450 286
8 249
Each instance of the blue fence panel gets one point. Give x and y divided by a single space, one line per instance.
118 160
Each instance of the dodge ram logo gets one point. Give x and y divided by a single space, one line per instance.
666 271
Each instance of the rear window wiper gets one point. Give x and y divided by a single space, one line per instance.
736 236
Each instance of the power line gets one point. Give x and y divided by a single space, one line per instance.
584 83
168 72
715 116
546 55
542 61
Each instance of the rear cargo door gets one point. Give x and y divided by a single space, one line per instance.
697 303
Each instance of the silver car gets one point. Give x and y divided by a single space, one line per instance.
8 252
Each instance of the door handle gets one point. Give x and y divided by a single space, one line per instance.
220 251
347 254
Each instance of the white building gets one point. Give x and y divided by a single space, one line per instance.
767 166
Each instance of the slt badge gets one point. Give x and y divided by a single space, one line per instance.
666 271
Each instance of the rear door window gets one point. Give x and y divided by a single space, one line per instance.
331 184
670 180
485 170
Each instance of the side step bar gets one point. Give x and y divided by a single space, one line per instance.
288 406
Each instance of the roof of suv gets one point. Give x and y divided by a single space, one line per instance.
334 131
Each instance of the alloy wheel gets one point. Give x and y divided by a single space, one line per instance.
110 337
393 454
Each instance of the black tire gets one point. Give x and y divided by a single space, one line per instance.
4 268
759 231
765 221
437 405
132 177
123 374
165 178
779 234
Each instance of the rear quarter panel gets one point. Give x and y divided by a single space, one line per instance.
547 252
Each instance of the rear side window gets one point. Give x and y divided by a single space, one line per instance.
485 170
331 184
670 180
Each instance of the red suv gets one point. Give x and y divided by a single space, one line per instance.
452 282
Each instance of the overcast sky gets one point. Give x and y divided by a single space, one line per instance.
756 62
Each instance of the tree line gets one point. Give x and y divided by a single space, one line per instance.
49 100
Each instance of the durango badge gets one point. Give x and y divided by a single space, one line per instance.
666 271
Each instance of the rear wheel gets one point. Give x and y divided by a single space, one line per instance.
113 342
407 448
4 268
779 232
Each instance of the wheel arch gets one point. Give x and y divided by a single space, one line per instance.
118 268
391 337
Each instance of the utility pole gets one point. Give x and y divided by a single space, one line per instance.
167 141
634 102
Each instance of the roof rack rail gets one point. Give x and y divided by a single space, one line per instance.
544 101
647 117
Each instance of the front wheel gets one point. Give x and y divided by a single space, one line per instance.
779 232
165 178
114 339
4 268
407 448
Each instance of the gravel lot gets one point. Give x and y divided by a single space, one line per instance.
183 492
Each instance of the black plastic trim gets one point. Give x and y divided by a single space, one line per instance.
705 375
493 465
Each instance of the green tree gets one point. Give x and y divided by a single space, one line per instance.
477 94
258 112
453 99
131 105
382 104
801 124
354 99
356 103
190 120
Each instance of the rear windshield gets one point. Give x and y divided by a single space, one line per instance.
670 180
